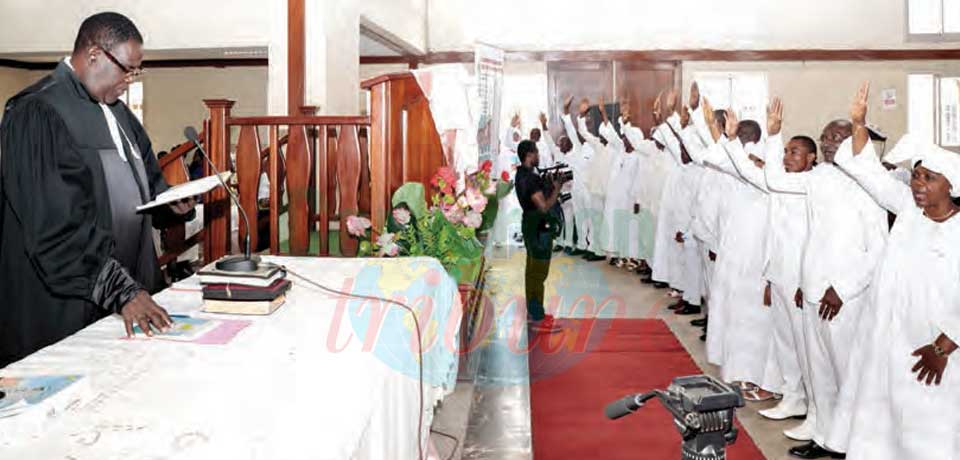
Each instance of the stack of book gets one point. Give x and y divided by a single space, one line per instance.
257 293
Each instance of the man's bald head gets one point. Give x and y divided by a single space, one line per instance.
832 136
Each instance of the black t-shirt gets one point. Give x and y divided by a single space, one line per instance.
528 183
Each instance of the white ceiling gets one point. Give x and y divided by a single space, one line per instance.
373 46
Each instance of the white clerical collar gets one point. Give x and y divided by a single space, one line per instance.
112 125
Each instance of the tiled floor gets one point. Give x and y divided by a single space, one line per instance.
495 407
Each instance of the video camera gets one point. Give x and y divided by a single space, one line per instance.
702 408
560 171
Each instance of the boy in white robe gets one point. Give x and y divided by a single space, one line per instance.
846 234
901 399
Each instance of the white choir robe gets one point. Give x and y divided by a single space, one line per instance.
580 158
598 175
652 166
668 255
783 250
915 297
508 211
618 197
740 326
846 232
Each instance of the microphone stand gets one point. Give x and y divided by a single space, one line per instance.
245 263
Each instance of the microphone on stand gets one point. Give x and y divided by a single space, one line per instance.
240 263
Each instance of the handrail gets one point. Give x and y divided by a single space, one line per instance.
298 121
179 151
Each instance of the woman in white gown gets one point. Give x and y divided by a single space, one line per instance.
904 392
509 212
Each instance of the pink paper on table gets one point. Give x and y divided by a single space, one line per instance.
224 333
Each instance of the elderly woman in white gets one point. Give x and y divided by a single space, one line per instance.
903 401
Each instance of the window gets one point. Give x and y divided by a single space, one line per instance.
745 92
134 99
933 111
937 20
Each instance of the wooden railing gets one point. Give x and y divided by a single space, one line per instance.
176 171
333 166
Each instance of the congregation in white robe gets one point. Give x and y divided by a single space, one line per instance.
768 192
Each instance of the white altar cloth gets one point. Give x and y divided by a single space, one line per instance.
301 383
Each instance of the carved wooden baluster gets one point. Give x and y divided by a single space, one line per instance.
365 190
273 163
248 176
348 179
331 136
216 205
323 191
298 184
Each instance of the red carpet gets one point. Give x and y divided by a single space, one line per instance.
574 375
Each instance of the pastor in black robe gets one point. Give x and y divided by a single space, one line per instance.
63 262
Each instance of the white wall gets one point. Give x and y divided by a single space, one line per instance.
51 25
659 24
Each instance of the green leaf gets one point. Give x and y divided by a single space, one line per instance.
412 194
365 249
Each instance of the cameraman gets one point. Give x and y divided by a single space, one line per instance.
536 197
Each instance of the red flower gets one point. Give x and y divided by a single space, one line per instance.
448 175
505 176
486 166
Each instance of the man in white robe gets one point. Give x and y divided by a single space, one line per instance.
579 161
598 174
668 256
740 326
846 235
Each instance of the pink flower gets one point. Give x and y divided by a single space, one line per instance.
357 226
473 219
454 214
476 200
402 216
462 202
387 245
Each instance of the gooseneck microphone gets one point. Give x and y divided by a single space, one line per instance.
241 263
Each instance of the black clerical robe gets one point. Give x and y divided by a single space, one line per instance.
63 262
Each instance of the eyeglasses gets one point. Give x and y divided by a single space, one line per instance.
131 74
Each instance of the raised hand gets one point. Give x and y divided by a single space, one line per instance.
671 102
684 116
543 120
732 124
775 117
711 120
858 116
657 113
515 121
858 110
584 106
694 96
602 106
566 104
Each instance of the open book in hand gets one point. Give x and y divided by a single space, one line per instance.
186 190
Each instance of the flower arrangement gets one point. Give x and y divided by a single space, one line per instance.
447 230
